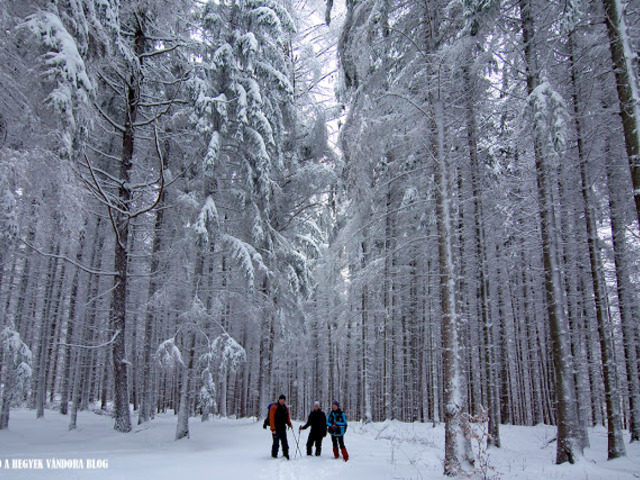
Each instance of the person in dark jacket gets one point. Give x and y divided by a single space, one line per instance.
318 422
337 426
279 420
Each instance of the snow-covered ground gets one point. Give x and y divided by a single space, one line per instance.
240 449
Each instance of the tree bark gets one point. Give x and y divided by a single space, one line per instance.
568 444
366 354
46 337
145 411
628 90
453 391
7 389
626 297
121 252
615 443
71 320
182 428
472 141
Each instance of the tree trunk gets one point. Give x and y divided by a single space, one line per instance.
568 443
366 354
7 387
46 337
56 328
71 320
622 56
182 429
615 446
472 141
626 296
121 253
145 411
453 390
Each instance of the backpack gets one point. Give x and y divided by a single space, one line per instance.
265 424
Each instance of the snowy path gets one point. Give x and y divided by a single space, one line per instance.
240 449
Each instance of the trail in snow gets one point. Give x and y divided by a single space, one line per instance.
240 449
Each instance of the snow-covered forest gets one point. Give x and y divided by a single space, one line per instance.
425 209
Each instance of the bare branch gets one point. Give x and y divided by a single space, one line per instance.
100 152
114 86
104 115
162 104
109 204
92 346
161 179
160 52
407 99
84 268
171 102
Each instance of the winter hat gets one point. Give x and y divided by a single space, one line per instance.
335 402
282 397
316 403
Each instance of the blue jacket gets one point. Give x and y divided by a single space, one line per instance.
337 417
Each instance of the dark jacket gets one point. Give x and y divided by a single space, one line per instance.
318 422
339 419
279 417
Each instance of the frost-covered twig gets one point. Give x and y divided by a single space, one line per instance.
106 344
160 179
84 268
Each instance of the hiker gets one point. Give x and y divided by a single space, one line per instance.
279 420
318 422
337 426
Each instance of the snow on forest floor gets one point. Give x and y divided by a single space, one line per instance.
240 449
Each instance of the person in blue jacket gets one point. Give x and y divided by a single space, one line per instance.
337 426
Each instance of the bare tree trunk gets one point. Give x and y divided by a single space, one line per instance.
622 56
472 140
56 328
626 297
435 380
568 443
46 337
182 429
121 228
71 321
453 390
388 342
7 387
76 387
145 411
366 360
615 447
80 370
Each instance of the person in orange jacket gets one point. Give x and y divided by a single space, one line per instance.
279 420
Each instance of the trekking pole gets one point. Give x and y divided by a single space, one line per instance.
297 442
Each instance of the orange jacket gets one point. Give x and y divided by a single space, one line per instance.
272 416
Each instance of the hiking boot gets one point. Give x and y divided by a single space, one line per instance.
345 454
335 452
